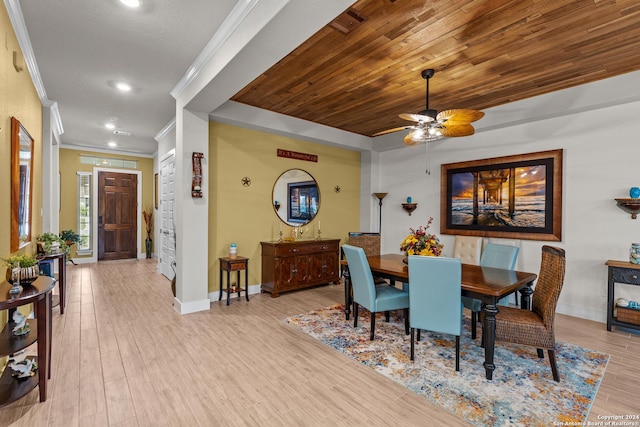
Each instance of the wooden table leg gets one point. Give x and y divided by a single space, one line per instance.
228 288
525 301
62 283
42 314
246 280
489 337
220 296
347 296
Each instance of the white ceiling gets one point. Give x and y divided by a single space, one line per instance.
83 47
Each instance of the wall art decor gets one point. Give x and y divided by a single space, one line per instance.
513 197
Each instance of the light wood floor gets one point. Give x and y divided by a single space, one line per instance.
122 356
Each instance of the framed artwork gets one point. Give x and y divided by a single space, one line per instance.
155 183
303 201
512 197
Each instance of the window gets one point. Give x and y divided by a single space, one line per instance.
84 212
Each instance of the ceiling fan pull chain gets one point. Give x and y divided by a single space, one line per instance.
428 171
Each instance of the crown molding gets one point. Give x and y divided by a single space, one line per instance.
165 130
17 21
230 24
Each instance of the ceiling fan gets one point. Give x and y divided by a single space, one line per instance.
431 125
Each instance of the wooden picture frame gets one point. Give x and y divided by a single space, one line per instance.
155 184
513 197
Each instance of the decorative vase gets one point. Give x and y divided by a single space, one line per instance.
634 192
634 253
147 244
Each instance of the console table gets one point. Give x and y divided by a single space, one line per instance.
300 264
62 278
620 272
38 293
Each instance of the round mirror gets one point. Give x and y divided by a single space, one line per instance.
296 198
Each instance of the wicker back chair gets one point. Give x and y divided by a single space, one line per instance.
535 327
370 242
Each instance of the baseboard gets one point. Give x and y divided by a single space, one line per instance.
191 306
582 312
214 296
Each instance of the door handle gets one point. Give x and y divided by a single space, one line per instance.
100 219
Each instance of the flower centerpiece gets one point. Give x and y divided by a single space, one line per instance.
419 242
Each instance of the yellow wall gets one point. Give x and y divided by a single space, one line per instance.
245 215
70 165
18 98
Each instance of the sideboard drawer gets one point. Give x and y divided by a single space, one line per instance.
626 275
284 250
324 247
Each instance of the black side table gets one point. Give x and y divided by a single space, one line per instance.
236 264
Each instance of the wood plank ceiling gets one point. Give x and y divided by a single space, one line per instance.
485 53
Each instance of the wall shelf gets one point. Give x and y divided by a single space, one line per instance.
409 207
631 206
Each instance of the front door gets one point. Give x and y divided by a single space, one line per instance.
117 215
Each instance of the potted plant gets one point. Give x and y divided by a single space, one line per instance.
148 222
27 267
69 237
49 243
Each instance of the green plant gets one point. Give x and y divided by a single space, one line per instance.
22 260
69 236
49 239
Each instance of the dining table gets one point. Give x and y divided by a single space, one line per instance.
486 284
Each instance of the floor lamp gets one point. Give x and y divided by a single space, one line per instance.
380 196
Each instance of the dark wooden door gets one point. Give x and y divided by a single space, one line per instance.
117 208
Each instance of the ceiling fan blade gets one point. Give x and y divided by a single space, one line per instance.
384 132
459 116
416 117
457 130
408 140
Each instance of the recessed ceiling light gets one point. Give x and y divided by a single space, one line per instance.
112 144
110 126
123 86
130 3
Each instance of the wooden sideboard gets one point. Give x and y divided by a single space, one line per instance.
287 266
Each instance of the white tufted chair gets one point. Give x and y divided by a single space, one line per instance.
468 249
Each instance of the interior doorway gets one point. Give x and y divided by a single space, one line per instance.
167 219
117 215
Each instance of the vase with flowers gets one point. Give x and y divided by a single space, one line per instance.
148 222
419 242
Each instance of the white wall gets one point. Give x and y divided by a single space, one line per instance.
600 163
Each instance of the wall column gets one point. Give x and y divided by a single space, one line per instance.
192 214
50 176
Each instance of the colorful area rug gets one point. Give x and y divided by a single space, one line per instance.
522 391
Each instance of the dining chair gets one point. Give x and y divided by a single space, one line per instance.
468 249
434 298
374 298
535 327
370 242
497 256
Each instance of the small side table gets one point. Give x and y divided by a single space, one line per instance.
620 272
237 264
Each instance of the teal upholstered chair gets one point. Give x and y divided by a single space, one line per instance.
497 256
434 298
365 293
